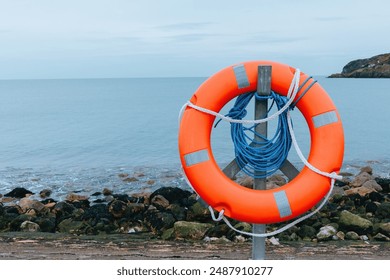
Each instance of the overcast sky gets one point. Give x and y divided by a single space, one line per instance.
168 38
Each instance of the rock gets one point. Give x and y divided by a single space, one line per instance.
173 195
351 235
168 234
46 223
326 233
27 203
123 175
160 202
276 181
307 231
372 184
71 226
130 179
158 221
198 212
384 183
180 213
97 212
107 191
122 197
141 197
362 191
63 210
273 240
75 197
246 181
240 239
18 220
381 237
375 67
135 208
340 235
190 230
367 169
45 193
376 197
242 226
29 226
364 237
383 210
219 230
18 193
350 221
360 179
117 208
385 228
371 207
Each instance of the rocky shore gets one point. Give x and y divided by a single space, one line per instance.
358 210
375 67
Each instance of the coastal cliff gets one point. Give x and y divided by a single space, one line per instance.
375 67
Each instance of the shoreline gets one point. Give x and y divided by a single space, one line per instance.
357 214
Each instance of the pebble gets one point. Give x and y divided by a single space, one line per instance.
359 210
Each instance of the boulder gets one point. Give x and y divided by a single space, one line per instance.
63 210
326 233
351 235
180 213
29 226
198 212
360 179
45 193
160 202
190 230
173 195
46 223
362 191
367 169
18 193
372 184
384 183
385 228
71 226
307 231
350 221
158 221
381 237
383 210
117 208
75 197
27 203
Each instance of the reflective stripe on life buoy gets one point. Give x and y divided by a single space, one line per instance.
260 206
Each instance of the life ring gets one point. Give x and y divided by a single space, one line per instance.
241 203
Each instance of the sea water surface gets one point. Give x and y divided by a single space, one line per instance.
78 135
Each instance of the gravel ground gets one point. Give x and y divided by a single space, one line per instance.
49 246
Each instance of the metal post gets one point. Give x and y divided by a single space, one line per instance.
261 108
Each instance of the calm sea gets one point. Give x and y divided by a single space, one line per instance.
80 134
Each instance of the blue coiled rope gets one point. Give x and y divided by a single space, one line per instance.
259 159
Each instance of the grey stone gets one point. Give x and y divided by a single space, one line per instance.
326 233
190 230
29 226
350 221
381 237
351 235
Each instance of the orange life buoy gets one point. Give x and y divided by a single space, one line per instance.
241 203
